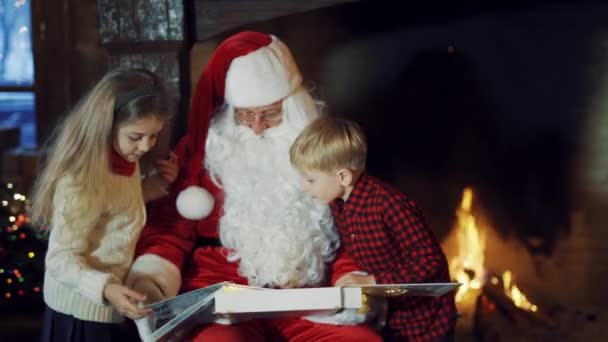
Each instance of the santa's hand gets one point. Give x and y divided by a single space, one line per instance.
149 288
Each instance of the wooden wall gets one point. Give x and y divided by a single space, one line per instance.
68 57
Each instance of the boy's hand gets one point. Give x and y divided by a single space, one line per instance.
124 300
355 279
168 168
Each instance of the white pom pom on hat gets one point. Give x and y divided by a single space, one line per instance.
194 203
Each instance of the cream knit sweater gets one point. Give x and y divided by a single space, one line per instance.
90 244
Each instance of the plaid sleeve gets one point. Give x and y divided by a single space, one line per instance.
421 258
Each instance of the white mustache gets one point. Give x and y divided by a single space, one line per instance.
244 133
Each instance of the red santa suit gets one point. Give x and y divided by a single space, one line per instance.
240 216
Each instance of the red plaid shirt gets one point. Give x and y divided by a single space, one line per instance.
389 238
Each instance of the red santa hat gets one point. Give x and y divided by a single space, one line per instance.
249 69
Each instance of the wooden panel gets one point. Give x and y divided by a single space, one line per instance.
89 58
140 20
68 58
216 16
52 41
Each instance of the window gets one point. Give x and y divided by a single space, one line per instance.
17 97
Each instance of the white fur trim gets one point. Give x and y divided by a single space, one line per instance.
194 203
262 77
161 271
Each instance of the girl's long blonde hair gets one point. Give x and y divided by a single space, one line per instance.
80 146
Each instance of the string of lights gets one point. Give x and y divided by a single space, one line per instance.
22 248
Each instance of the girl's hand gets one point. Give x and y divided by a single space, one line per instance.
168 168
125 300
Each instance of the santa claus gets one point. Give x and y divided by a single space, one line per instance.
236 212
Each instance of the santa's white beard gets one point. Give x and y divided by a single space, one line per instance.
280 235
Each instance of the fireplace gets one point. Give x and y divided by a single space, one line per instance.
511 294
491 116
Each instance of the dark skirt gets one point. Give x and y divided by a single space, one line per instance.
58 327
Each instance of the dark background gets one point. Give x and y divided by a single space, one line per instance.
496 97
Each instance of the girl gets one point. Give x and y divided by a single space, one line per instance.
90 197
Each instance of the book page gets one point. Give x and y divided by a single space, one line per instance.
169 314
177 322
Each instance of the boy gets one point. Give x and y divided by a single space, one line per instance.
379 227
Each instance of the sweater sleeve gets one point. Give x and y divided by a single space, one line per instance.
73 222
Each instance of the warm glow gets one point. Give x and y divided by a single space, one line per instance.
467 266
513 292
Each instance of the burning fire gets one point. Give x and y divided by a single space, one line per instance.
512 291
468 265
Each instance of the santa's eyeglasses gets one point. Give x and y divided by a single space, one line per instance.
272 114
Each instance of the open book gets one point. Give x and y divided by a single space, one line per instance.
226 302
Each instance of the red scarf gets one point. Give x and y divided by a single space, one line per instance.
120 165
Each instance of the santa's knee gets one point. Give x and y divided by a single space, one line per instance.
225 333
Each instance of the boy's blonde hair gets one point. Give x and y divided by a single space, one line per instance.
80 147
329 144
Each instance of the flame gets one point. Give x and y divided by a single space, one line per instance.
513 292
467 266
